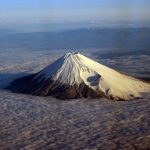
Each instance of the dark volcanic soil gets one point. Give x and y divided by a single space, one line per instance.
35 123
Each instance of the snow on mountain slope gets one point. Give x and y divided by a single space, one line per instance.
115 84
83 77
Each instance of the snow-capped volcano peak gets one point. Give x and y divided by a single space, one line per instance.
74 76
70 69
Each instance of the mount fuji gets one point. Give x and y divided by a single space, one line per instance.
76 76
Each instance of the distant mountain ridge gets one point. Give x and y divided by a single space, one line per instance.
123 38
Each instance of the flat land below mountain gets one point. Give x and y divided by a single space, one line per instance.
38 123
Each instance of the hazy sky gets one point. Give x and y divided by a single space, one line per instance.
96 12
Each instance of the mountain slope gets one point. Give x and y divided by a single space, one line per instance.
76 76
